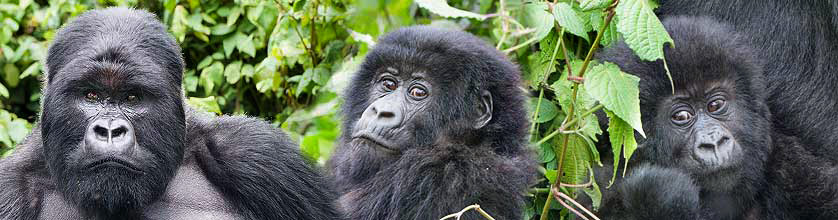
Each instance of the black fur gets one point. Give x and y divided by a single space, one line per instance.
193 165
707 55
799 42
446 165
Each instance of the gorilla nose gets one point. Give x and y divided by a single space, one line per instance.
714 147
385 115
109 135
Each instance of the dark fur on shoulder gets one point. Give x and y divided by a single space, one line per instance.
447 165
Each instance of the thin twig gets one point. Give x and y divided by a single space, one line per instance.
564 196
476 208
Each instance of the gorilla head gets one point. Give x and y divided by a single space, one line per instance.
113 117
433 115
421 84
716 126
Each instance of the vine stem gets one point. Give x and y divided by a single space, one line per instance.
476 207
570 115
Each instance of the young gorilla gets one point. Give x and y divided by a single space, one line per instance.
434 122
116 142
709 142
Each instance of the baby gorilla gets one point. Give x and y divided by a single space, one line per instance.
709 142
434 122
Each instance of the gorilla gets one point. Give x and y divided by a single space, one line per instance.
709 143
799 39
434 122
115 140
799 42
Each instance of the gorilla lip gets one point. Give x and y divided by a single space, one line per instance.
375 140
112 162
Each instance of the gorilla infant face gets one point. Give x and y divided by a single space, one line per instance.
702 120
113 119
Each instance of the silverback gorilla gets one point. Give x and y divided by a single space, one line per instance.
115 141
709 142
434 122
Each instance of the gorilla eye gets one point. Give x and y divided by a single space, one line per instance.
132 98
389 84
715 105
418 92
682 117
91 96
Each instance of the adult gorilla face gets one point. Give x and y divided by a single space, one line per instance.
113 119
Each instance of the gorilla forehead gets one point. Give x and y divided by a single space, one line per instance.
445 55
100 41
706 53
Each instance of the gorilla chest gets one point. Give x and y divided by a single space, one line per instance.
189 196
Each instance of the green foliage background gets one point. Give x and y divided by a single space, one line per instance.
288 62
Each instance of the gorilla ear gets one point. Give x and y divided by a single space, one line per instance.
484 110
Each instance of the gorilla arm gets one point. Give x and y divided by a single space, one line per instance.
19 175
429 183
260 169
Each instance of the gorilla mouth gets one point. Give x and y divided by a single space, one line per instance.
376 141
112 163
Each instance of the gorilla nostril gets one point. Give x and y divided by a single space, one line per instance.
723 141
706 146
101 132
386 114
118 132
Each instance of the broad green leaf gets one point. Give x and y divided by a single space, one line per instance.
587 5
11 74
593 192
33 69
564 90
247 70
442 8
546 110
617 91
233 72
222 29
537 17
190 82
235 12
3 91
205 62
610 35
246 45
621 136
570 20
577 159
207 104
179 23
545 152
17 130
212 75
4 136
641 29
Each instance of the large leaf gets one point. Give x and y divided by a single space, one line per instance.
546 110
622 141
233 72
207 104
593 4
617 91
537 17
570 20
641 29
442 8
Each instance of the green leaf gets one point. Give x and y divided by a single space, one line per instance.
235 12
564 90
587 5
577 159
222 29
207 104
190 82
246 45
205 62
179 23
442 8
610 35
3 91
642 30
247 70
593 192
546 153
233 72
12 74
570 20
546 110
33 69
212 75
17 130
537 17
621 136
617 91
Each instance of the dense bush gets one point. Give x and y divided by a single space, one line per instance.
288 61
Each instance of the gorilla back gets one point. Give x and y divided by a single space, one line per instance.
115 141
434 122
